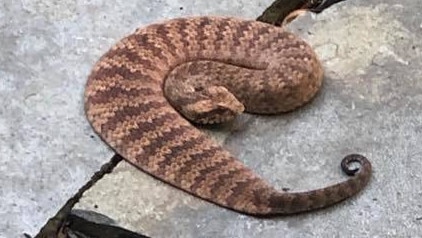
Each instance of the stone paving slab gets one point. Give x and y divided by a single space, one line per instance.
47 49
370 103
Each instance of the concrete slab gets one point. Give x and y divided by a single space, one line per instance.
47 49
370 103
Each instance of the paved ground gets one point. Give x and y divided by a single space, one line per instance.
371 103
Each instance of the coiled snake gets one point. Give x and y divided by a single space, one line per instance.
142 92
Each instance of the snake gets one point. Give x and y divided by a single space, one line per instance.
147 95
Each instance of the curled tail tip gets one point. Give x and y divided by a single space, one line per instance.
364 164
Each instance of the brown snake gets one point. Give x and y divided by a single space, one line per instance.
209 69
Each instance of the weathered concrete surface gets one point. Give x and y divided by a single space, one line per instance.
371 103
47 50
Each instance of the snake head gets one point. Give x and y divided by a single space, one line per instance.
213 105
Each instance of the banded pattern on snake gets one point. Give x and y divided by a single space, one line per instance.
143 94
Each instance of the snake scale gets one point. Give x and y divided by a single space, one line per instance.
144 95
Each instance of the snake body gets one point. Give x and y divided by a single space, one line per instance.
143 94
